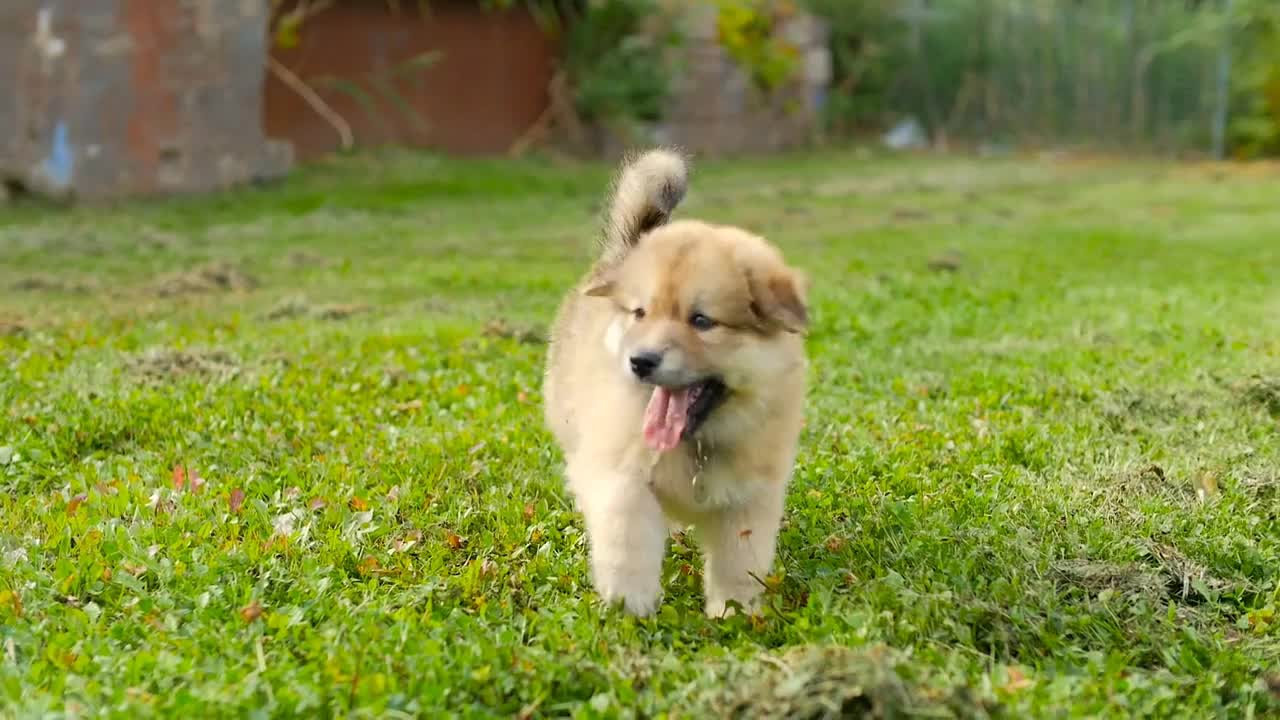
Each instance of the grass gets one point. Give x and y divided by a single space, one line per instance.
280 453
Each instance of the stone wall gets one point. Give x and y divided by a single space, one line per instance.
716 109
115 98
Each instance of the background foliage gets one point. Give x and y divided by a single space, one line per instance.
1125 73
1115 72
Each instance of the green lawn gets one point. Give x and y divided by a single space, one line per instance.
1040 475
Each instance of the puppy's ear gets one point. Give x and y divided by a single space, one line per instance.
778 299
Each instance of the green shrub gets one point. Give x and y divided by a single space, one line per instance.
747 30
1255 124
616 58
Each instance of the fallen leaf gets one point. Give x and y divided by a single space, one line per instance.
293 493
409 406
1206 486
835 543
1017 681
12 600
522 396
251 612
133 568
75 503
139 694
744 534
455 541
358 504
158 503
393 495
528 511
186 478
369 566
235 500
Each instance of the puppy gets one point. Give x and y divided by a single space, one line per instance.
675 386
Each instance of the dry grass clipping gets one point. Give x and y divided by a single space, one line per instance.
163 365
213 277
820 683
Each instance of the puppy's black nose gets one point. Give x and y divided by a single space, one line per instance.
643 364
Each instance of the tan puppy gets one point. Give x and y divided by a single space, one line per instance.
675 386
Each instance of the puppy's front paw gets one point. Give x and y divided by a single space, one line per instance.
638 595
728 607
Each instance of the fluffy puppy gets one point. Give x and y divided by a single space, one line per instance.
675 386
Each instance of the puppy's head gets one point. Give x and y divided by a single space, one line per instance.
702 317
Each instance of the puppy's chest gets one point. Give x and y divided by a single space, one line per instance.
687 486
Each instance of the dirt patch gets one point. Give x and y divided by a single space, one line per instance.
1263 487
1174 576
13 327
948 262
1094 577
522 334
909 215
300 259
52 283
1263 392
290 307
296 307
157 239
1188 581
1149 480
339 311
841 682
211 278
1131 411
161 365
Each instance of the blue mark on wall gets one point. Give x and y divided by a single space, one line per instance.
61 162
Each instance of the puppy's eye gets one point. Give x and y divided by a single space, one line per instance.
701 322
638 313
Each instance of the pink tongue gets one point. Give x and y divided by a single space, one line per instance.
665 417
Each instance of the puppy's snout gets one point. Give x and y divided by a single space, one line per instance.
643 364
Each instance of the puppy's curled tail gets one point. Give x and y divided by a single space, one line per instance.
648 188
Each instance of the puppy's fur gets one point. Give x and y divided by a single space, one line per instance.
712 307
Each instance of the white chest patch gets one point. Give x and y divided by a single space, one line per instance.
613 336
686 492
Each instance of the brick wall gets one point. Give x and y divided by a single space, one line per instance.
484 84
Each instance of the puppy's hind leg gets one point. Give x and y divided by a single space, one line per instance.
627 533
739 544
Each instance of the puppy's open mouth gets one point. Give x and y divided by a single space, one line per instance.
674 414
